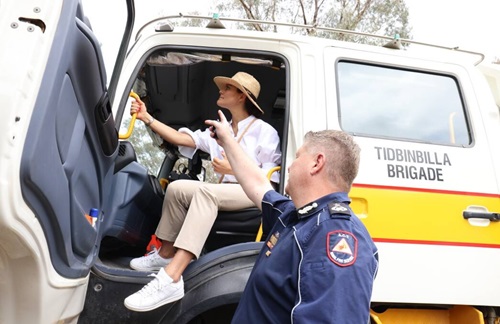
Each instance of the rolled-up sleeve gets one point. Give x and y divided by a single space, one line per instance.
261 143
202 140
186 150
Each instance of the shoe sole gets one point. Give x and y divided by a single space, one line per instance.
155 306
148 269
145 269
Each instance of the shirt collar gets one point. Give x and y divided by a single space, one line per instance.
314 206
243 123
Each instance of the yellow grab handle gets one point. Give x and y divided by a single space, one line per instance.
163 183
132 121
269 174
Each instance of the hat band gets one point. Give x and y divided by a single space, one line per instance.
250 93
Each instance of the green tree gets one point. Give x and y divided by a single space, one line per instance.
381 17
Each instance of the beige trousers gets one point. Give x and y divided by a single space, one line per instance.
190 209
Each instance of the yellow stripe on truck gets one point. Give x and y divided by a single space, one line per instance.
421 216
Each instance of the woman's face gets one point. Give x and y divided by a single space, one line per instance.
230 97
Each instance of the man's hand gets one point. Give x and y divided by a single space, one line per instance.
249 175
219 129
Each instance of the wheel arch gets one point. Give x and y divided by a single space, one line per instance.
215 280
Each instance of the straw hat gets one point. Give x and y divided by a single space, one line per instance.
244 82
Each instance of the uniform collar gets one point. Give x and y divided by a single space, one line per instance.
314 206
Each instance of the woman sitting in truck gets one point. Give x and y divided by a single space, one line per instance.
191 207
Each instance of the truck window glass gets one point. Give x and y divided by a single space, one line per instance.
146 144
401 104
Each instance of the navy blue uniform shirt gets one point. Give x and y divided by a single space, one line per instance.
317 265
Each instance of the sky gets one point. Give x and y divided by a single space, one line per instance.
470 25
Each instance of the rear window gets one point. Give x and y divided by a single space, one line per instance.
401 104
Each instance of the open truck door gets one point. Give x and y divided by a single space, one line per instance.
58 146
61 157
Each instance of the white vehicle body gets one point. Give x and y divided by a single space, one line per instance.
428 187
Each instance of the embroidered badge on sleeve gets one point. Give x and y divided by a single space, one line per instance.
342 248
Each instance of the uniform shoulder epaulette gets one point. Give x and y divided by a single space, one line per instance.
339 208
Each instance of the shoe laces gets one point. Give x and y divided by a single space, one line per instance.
152 287
153 251
151 257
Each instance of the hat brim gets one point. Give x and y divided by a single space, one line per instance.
221 84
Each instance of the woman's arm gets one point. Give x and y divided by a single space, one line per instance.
166 132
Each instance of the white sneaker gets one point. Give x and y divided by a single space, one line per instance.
150 262
160 291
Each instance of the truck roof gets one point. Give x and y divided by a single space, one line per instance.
224 26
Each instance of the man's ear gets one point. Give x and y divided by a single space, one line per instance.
319 163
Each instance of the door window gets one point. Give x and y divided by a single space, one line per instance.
401 104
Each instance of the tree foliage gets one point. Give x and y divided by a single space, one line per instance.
148 154
381 17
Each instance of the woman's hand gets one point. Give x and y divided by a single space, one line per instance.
222 166
139 107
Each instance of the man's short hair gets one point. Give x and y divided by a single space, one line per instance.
342 154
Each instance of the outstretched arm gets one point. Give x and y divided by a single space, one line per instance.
249 175
166 132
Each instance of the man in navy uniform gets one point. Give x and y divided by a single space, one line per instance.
319 261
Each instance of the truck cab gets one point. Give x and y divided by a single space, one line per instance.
426 118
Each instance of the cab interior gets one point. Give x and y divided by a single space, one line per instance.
178 89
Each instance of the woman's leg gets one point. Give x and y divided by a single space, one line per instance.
168 285
175 206
206 202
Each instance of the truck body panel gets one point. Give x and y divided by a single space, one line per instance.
428 188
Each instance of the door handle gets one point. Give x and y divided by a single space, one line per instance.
495 217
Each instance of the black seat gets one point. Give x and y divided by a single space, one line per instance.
233 227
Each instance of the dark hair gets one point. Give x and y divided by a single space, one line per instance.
250 107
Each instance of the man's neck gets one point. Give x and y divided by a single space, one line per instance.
313 192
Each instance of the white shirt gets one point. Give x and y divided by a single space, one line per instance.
260 142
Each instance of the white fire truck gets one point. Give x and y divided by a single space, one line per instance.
426 117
